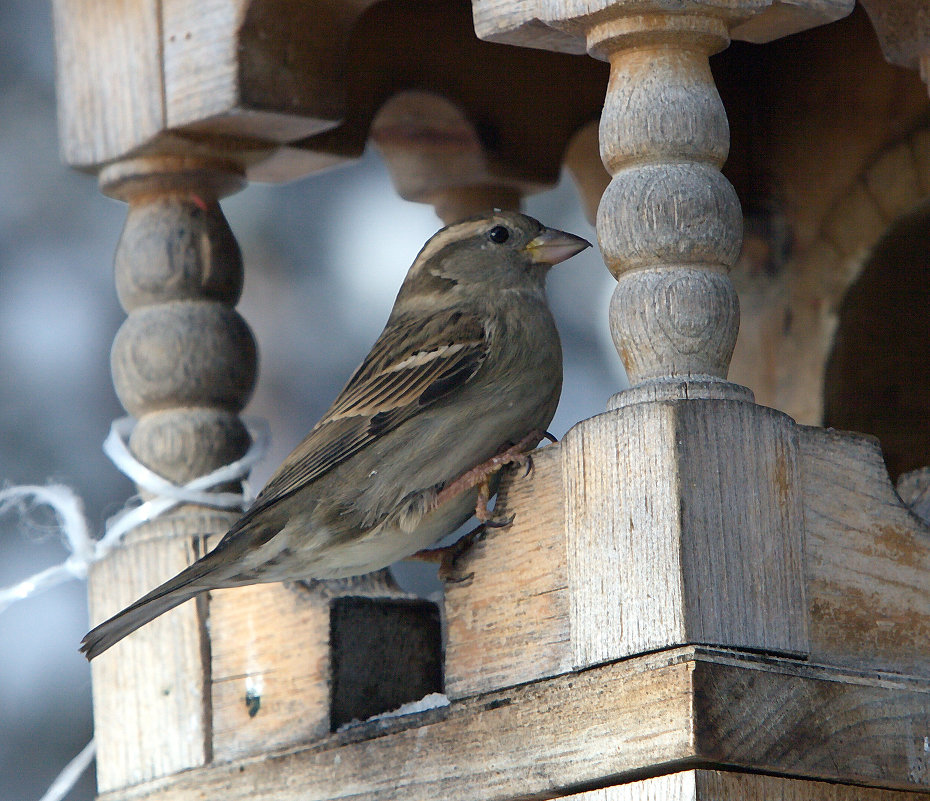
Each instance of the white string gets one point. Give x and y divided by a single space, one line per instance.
85 550
70 513
68 508
170 495
71 772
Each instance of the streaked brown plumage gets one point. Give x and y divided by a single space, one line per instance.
468 364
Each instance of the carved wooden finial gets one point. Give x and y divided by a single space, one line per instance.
669 223
184 362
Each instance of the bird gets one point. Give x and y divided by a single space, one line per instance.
463 380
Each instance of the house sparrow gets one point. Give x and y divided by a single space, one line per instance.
464 379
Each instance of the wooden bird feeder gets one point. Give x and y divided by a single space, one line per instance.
704 594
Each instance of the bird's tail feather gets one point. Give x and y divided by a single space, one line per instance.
166 596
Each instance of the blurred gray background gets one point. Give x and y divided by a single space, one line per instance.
324 257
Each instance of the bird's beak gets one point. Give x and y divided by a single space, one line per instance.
552 246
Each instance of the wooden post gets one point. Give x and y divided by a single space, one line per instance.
663 544
237 671
184 365
671 553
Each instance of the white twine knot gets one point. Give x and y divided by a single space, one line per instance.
68 508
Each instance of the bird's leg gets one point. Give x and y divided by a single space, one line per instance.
480 476
484 498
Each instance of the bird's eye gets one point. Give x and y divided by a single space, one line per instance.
498 234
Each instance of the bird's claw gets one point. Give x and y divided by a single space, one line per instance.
452 553
500 523
480 476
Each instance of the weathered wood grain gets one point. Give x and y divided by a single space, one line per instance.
264 70
594 589
685 707
269 670
535 23
285 88
785 17
801 720
868 558
151 703
508 623
108 78
665 544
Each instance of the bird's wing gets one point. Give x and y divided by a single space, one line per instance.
413 364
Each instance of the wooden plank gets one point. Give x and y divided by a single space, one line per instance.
108 77
718 785
151 710
527 22
690 706
519 22
201 60
533 738
868 558
517 592
270 668
824 723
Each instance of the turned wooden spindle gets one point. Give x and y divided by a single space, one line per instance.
456 203
669 224
184 364
241 670
435 156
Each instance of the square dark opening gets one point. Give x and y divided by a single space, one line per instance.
385 652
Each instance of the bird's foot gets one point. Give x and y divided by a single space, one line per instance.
480 476
449 555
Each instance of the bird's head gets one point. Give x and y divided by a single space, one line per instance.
497 251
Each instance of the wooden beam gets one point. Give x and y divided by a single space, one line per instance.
689 706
